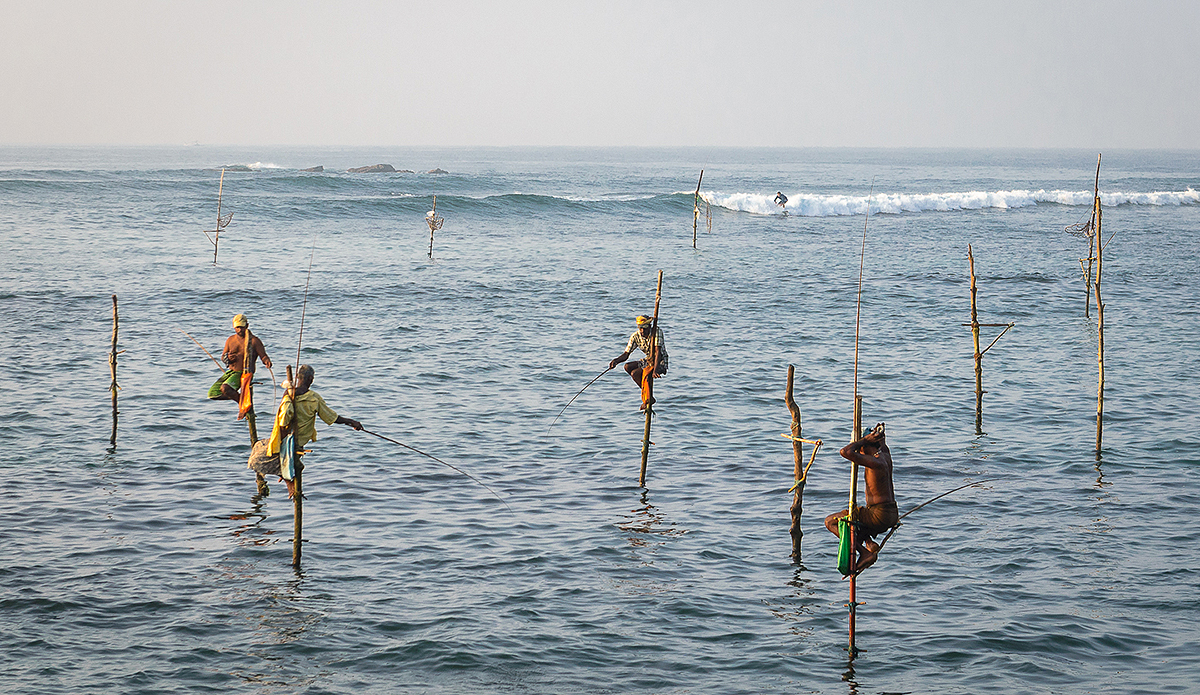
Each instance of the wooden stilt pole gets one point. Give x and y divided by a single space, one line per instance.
1099 242
217 238
431 226
112 369
648 381
797 509
852 509
696 208
298 498
975 324
978 355
251 421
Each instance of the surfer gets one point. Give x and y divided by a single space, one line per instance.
234 356
637 369
781 199
881 513
301 409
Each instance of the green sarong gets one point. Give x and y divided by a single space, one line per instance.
233 377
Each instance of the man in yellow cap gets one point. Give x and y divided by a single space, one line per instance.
637 369
234 356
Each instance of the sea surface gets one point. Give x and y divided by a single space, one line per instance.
152 566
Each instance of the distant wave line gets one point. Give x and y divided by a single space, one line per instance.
811 205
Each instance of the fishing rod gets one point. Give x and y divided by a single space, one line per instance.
477 480
197 342
304 307
934 499
568 405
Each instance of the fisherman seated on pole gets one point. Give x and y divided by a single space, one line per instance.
880 514
234 356
296 419
639 368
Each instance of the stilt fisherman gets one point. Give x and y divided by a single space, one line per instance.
637 370
234 357
880 514
295 426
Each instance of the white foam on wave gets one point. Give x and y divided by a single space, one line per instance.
810 205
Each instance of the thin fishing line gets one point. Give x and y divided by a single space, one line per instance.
568 405
858 309
932 499
304 308
477 480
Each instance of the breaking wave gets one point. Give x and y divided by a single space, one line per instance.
810 205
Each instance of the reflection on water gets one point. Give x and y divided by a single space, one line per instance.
797 607
647 520
252 532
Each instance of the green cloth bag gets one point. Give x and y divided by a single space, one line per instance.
844 546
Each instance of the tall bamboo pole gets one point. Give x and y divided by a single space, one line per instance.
853 603
217 238
1097 213
251 419
696 208
648 380
112 369
298 497
797 509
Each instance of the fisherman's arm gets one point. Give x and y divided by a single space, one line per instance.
853 452
262 352
331 418
618 359
347 421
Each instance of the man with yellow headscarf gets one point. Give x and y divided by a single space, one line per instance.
637 370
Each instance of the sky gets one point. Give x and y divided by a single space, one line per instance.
1094 74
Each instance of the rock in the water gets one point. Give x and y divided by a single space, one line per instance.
374 169
316 169
438 171
237 167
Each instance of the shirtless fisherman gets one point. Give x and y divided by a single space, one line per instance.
304 406
641 340
234 357
880 514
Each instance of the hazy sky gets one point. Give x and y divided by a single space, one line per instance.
938 74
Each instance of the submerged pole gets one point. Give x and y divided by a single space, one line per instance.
797 508
112 370
696 208
648 381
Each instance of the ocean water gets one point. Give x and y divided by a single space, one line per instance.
153 567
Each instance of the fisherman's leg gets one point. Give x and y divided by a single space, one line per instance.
831 522
634 370
866 558
229 393
647 381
